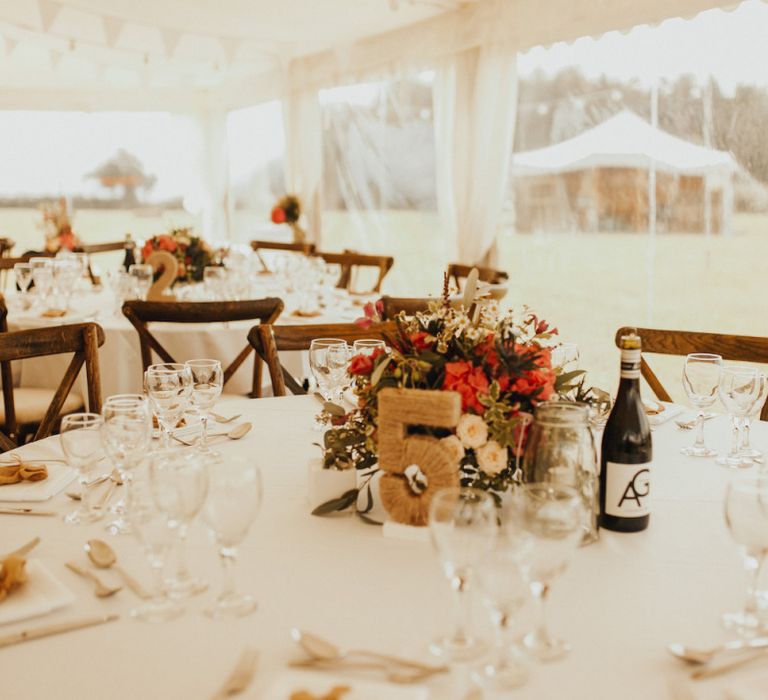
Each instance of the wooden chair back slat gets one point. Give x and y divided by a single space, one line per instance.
349 260
739 348
141 313
305 248
458 272
268 340
392 306
92 248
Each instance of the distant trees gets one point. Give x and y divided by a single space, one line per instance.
126 171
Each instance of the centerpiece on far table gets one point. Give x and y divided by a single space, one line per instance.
288 211
57 227
192 252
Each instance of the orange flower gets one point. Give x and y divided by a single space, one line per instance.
422 340
468 381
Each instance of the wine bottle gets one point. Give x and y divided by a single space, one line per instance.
130 258
626 451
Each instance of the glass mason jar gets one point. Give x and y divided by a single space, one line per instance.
561 449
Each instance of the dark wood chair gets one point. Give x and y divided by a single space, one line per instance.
458 272
141 313
305 248
6 246
392 306
268 341
350 261
82 339
96 248
740 348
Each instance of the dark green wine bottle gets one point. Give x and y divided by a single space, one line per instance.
627 451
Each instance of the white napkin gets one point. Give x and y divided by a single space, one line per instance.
318 683
59 476
41 594
671 410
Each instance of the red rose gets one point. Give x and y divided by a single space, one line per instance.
540 384
361 365
469 381
422 340
278 215
167 243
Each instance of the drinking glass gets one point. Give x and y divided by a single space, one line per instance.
179 482
169 387
66 272
23 274
214 282
80 437
746 515
701 379
328 359
207 382
739 388
42 276
367 347
505 591
565 357
234 499
126 436
746 449
552 515
143 276
463 527
150 525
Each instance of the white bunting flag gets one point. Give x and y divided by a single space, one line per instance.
49 11
171 40
112 30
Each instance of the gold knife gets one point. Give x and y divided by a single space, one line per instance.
25 511
48 630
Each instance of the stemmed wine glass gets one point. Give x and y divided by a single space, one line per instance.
207 382
149 523
463 527
126 436
368 346
42 276
143 276
551 514
328 360
746 515
739 388
745 448
80 437
169 387
23 274
701 379
179 483
234 499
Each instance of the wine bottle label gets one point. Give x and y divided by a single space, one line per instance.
630 364
627 488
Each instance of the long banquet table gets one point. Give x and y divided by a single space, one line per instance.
622 600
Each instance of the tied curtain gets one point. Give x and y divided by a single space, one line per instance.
304 156
475 102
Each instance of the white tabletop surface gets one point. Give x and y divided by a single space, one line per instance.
622 600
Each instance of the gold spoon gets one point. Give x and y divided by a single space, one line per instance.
100 588
104 557
224 419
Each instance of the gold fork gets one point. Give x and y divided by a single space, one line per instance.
241 676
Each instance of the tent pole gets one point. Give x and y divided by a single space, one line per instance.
651 253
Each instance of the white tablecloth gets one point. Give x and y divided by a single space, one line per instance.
622 600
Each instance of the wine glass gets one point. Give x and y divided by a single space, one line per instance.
150 525
126 436
66 272
328 359
207 382
80 436
169 387
745 448
179 482
701 379
505 590
42 276
746 515
234 499
214 282
23 274
368 347
463 526
552 515
143 276
739 388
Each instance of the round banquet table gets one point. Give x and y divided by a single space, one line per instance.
621 601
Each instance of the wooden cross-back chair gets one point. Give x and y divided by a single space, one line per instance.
739 348
141 313
458 272
95 248
81 339
268 341
349 260
305 248
392 306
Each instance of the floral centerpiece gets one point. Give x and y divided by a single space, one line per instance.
57 227
288 211
192 252
499 363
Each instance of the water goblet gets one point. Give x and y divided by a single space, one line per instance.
746 516
66 272
463 526
179 482
368 347
552 515
701 379
214 282
207 382
80 437
23 273
234 499
42 276
126 436
324 367
149 524
745 448
143 276
169 387
738 390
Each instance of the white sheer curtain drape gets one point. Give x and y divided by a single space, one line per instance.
211 199
475 100
304 155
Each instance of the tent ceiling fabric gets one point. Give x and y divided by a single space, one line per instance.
194 54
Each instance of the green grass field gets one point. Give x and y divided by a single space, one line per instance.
587 285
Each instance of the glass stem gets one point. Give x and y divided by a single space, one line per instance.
754 565
745 446
182 572
228 556
734 436
85 496
700 429
158 585
504 658
204 432
463 620
540 591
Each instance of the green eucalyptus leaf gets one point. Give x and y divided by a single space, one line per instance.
333 408
337 504
567 377
368 520
379 371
